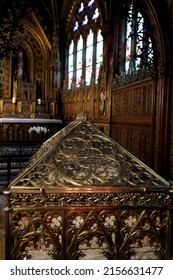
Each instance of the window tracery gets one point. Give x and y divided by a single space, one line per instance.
85 47
138 47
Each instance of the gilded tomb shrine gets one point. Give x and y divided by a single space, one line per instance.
82 196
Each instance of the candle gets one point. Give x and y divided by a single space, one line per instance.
13 99
39 101
19 107
15 89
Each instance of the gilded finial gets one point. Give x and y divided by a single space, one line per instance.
82 116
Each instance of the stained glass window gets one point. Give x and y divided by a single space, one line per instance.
85 51
89 58
139 49
70 64
79 61
99 53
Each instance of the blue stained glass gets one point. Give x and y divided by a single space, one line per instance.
85 21
81 8
76 26
96 14
90 3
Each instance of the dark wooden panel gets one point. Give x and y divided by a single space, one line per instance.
132 122
140 121
133 100
134 139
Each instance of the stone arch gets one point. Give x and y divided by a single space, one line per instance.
38 50
23 44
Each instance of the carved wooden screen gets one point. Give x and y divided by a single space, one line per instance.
132 120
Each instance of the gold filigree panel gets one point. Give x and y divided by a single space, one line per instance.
141 236
82 196
36 235
85 157
90 234
134 199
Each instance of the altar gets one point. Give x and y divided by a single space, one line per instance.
20 129
19 140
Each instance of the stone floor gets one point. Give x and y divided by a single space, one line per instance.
2 228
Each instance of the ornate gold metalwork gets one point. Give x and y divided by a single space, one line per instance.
71 199
81 155
82 196
107 234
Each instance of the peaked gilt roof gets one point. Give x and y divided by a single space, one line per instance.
82 155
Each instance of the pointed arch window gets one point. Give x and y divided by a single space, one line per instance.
85 49
99 52
70 63
89 57
138 48
79 59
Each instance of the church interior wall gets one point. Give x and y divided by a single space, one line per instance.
138 117
134 109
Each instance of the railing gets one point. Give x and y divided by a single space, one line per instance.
13 157
19 140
